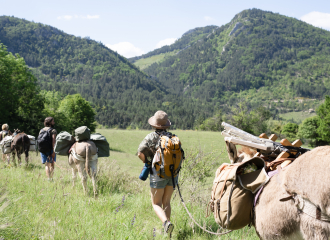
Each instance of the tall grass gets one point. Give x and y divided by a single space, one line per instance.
33 208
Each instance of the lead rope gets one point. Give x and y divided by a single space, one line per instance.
184 205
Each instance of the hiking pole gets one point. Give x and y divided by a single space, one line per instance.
184 205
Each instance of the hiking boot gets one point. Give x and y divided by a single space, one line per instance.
168 228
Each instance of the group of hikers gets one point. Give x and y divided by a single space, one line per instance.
161 187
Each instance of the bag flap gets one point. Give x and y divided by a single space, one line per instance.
259 162
98 137
253 181
65 136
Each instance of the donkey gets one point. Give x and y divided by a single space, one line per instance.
82 159
295 203
20 144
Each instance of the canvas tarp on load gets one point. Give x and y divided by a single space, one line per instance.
64 141
82 133
102 145
32 143
5 144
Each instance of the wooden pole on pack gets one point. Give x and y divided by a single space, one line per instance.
297 143
273 137
263 135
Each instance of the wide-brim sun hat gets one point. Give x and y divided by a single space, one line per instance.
159 120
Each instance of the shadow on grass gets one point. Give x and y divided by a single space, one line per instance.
116 150
32 166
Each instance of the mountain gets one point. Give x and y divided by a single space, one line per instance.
121 94
263 57
187 39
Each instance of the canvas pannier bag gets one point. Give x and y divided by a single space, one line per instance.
233 193
64 141
32 143
82 133
6 144
101 144
170 155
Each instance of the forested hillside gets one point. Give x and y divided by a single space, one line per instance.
265 58
182 43
121 94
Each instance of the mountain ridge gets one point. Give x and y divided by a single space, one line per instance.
265 52
121 94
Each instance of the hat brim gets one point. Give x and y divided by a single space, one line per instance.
152 121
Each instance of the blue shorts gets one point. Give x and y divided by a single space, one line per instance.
45 158
164 182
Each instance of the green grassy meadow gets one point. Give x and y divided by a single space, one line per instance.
146 62
297 116
33 208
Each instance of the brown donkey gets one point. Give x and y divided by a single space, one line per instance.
20 144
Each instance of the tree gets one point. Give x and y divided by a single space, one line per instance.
323 113
308 130
78 112
21 104
290 131
251 121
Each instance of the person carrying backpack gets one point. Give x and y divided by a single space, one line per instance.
154 151
5 132
46 144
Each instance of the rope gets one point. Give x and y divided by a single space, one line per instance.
66 169
184 205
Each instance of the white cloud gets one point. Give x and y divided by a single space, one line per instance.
69 17
207 18
126 49
167 41
93 16
317 19
65 17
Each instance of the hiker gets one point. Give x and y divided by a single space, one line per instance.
46 144
161 189
5 132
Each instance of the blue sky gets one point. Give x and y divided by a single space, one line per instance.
135 27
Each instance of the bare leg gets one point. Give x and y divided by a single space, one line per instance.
47 168
167 201
52 169
157 201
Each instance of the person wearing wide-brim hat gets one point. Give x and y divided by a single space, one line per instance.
161 189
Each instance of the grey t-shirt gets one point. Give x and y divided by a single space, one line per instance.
53 132
148 147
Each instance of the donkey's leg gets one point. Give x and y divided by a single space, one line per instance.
74 169
19 161
93 166
83 175
27 157
74 175
13 155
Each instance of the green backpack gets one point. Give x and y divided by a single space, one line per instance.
64 141
101 144
82 133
